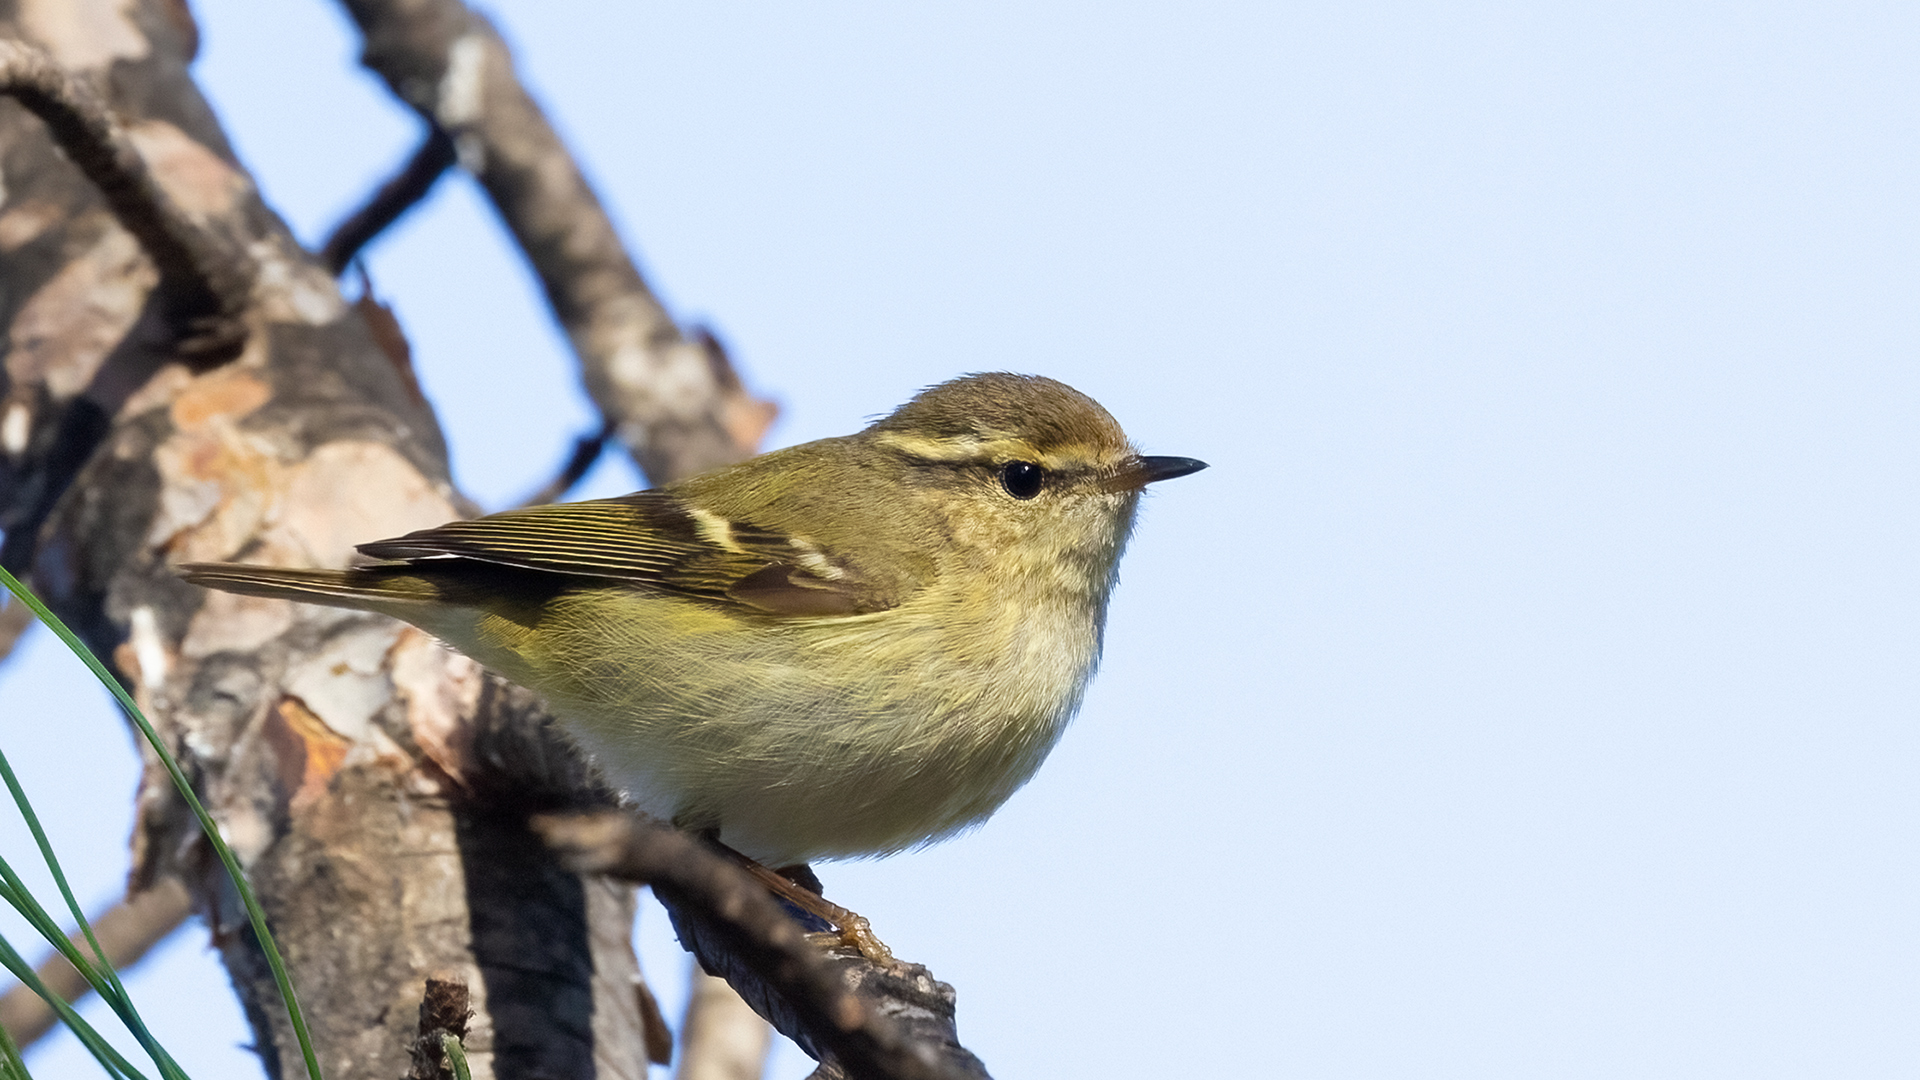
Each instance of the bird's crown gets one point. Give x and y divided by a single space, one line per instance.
1000 414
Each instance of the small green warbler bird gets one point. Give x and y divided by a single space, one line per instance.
845 648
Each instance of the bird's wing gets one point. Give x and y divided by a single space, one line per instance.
654 540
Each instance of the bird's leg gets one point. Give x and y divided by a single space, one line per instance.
802 875
854 929
799 886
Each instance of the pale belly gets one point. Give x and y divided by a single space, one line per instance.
877 735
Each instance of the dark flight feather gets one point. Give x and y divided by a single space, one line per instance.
651 540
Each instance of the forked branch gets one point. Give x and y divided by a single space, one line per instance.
676 404
209 284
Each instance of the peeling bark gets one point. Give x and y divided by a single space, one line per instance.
345 757
377 787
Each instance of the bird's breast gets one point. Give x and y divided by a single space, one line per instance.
813 738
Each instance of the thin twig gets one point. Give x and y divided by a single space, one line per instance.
586 451
395 197
894 1023
208 282
677 405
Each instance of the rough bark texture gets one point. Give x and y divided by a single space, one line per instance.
377 787
860 1018
445 1008
345 756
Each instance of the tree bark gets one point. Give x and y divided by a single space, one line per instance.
346 757
184 383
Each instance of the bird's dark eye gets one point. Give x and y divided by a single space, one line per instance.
1022 479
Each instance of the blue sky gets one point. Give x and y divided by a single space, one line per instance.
1529 689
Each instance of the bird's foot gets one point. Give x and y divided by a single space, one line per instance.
798 886
855 932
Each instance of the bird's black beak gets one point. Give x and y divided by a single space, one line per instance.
1142 471
1153 469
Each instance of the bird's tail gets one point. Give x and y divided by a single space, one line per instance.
390 591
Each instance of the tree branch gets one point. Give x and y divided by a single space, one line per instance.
678 406
586 451
394 198
445 1008
875 1023
335 750
209 284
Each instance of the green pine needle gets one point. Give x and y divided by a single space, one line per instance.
12 1065
105 981
109 1058
456 1055
255 914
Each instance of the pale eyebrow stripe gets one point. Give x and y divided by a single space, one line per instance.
959 448
970 448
